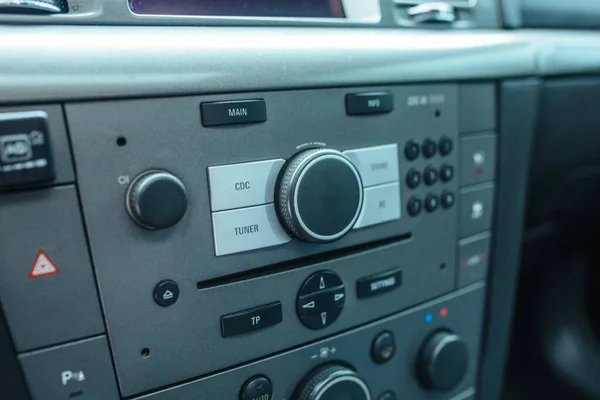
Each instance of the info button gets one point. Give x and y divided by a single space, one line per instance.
247 229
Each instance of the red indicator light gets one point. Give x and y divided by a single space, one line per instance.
444 312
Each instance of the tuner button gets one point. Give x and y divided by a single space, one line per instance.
333 382
156 200
319 195
443 361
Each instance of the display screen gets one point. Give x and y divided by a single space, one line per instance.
241 8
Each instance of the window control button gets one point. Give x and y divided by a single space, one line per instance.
251 320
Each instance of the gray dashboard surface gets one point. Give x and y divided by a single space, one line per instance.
574 14
82 62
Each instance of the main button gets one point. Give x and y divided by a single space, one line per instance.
369 103
233 112
247 229
374 285
243 185
376 165
251 320
381 204
81 370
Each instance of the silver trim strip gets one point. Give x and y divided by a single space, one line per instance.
53 63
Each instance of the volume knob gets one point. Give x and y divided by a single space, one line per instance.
319 195
333 382
156 199
443 361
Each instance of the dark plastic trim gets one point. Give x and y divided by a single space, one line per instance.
517 116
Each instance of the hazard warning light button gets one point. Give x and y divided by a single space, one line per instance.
47 287
166 293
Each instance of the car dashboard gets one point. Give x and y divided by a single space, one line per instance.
274 204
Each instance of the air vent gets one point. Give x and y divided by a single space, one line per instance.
434 14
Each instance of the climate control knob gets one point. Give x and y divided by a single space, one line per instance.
333 382
443 361
156 199
319 195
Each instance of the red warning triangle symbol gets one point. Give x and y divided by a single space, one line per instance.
43 266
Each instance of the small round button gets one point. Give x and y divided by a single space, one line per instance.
411 151
445 145
166 293
383 348
429 148
431 203
388 396
415 206
446 173
447 199
430 176
413 178
258 387
156 199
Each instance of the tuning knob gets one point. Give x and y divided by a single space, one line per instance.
333 382
443 361
319 195
156 199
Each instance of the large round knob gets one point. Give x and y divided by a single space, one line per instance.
156 199
333 382
319 195
443 361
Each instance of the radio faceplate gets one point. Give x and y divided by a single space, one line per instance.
165 291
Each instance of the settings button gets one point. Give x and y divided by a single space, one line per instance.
321 300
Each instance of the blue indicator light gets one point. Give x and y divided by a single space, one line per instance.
429 318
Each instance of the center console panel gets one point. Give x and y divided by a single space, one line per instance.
269 240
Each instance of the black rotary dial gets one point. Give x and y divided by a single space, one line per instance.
319 195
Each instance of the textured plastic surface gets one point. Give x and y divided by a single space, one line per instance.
574 14
286 370
518 104
46 306
185 252
76 370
